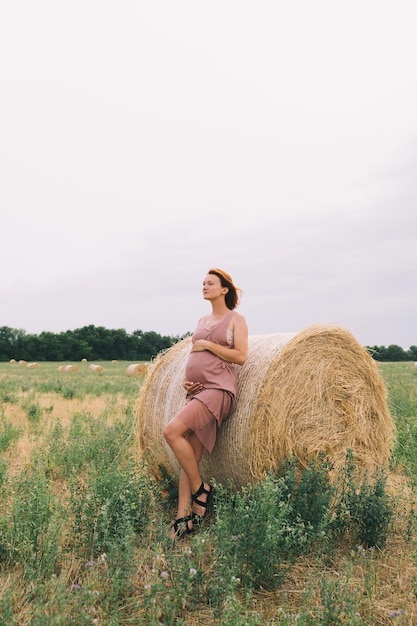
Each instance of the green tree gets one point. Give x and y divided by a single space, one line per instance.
10 343
392 353
412 353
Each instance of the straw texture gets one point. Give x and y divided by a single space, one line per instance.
304 394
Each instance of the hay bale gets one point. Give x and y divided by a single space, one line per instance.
415 365
96 368
84 360
137 369
22 362
12 361
32 366
61 368
70 368
317 391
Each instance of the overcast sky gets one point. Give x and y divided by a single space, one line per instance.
142 143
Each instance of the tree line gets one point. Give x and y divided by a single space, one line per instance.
393 353
99 343
89 342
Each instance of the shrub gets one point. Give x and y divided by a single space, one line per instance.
256 533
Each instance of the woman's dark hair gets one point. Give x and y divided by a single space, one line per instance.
232 297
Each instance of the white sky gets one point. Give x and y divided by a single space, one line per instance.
142 143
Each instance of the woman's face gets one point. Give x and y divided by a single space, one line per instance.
212 287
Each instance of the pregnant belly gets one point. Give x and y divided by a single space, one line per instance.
202 367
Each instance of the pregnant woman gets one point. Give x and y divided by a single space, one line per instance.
218 343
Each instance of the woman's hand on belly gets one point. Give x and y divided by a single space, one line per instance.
200 345
192 388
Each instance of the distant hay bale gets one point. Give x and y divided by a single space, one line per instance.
61 368
114 362
299 395
12 361
32 366
84 360
70 368
22 362
137 369
415 364
96 368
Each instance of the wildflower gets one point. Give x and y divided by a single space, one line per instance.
396 613
91 564
164 574
193 571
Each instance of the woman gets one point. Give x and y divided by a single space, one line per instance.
219 342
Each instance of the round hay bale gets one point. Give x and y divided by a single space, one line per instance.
96 368
32 366
299 395
415 365
12 361
70 368
115 362
61 368
137 369
84 360
22 362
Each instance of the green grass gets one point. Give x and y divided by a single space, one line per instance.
84 527
47 379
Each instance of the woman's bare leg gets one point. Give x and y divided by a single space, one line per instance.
188 449
184 488
182 443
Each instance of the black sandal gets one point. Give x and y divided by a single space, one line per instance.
196 517
181 528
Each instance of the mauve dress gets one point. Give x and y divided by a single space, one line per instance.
204 412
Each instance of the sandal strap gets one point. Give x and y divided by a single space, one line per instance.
183 521
200 492
200 502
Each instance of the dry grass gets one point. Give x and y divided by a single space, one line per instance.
54 408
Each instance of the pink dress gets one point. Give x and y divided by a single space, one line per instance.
204 412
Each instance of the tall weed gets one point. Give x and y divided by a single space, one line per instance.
363 508
31 528
8 435
256 535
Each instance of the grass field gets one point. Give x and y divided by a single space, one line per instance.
84 526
